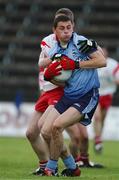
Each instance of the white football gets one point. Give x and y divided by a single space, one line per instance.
64 76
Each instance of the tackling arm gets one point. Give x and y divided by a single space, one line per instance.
44 60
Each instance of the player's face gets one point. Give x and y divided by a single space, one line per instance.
64 31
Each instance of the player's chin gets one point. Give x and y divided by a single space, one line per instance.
66 39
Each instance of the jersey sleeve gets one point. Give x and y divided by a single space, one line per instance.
46 45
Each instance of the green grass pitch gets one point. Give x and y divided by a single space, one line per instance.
17 161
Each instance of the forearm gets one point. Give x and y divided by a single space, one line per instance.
97 60
44 62
92 63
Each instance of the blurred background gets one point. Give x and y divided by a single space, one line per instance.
23 24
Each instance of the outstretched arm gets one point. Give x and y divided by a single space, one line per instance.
96 60
44 60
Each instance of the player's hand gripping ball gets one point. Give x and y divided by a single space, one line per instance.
65 74
52 70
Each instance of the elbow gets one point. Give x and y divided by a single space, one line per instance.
40 65
103 63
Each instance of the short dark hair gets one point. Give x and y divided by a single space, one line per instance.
61 18
66 12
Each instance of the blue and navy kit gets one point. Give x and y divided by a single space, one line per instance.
82 80
81 90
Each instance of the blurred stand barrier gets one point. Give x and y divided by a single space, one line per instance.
12 125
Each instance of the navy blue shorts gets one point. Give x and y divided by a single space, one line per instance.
86 105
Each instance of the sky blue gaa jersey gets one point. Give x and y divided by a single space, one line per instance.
82 80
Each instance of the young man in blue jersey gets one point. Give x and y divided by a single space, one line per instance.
80 92
78 133
50 96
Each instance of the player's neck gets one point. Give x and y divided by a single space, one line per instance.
63 44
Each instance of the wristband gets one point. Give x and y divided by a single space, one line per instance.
56 57
77 64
